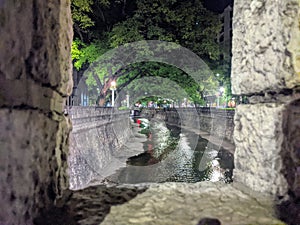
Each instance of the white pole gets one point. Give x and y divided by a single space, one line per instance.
113 98
127 99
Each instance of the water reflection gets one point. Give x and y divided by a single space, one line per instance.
174 155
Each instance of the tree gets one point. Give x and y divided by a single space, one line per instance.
80 15
185 22
93 18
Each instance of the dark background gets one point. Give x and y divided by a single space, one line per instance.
217 5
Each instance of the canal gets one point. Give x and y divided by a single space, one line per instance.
173 154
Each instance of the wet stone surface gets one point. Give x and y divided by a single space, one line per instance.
182 203
174 154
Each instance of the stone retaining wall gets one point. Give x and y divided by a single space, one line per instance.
217 122
35 78
266 67
97 133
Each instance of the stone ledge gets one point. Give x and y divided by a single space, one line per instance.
181 203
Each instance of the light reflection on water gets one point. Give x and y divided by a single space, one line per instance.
174 155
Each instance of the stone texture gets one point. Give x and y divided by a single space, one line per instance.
35 76
97 135
45 28
89 206
258 136
179 203
32 173
266 46
266 67
218 123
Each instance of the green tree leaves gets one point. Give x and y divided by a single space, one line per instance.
80 10
125 32
101 25
84 53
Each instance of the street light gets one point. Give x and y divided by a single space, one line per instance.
221 90
185 102
113 87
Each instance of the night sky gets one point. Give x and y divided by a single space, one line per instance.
217 5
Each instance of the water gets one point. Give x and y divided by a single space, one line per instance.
176 155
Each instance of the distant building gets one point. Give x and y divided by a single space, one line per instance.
225 36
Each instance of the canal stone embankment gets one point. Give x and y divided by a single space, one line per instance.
218 123
96 136
100 137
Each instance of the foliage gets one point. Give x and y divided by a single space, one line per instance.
80 10
167 82
185 22
101 25
123 108
83 53
125 32
227 109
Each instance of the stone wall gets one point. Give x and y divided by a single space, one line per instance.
217 122
96 135
265 46
266 67
35 72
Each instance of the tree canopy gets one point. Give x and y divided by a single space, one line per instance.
101 25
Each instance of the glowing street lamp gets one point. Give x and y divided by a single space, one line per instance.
221 90
113 87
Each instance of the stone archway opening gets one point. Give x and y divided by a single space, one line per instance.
35 74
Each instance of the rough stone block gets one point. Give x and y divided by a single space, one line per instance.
266 46
36 39
258 137
31 172
182 203
35 76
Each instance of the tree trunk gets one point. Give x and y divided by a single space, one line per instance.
101 101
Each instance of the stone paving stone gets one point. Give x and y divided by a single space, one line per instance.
184 204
